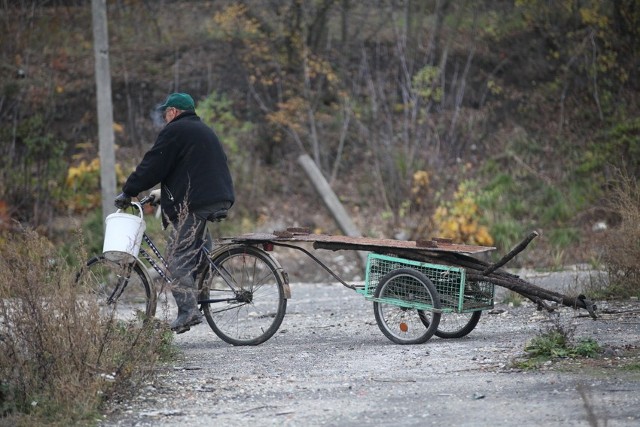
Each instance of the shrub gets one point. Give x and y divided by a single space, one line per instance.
60 360
81 191
621 247
460 219
31 168
557 341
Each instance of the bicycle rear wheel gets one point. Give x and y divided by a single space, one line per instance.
250 293
121 290
404 325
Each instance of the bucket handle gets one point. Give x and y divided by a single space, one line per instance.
138 206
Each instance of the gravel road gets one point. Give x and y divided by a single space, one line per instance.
329 364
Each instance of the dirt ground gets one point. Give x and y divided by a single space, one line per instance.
329 364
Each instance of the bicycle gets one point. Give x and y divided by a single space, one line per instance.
243 290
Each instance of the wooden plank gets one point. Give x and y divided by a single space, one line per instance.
331 242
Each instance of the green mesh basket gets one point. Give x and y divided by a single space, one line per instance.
456 294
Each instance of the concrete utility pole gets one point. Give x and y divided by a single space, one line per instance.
331 201
104 105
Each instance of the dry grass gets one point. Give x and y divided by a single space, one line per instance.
59 359
621 254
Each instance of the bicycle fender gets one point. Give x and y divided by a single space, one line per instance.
285 278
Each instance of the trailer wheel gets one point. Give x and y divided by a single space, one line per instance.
454 325
401 324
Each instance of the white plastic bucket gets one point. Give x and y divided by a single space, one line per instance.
123 235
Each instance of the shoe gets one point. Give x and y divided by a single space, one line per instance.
185 321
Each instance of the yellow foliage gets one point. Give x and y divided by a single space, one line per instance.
459 219
421 181
265 58
420 187
118 128
77 175
82 185
317 66
233 22
591 16
483 237
596 24
290 114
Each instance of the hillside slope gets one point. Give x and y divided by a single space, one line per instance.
447 119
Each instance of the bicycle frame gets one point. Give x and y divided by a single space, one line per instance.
159 265
162 269
242 290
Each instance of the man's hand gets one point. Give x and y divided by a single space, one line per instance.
122 201
155 197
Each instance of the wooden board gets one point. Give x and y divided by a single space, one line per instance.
325 241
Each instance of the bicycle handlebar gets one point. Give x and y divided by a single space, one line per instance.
143 201
146 199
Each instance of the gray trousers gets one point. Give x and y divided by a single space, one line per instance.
185 258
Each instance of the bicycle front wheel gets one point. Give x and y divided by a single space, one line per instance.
120 289
398 322
242 296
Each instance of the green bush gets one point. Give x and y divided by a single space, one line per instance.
557 342
32 168
516 204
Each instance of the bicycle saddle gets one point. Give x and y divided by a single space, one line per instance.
218 215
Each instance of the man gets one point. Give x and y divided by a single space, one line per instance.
189 162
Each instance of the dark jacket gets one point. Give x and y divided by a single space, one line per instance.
189 162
